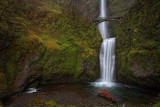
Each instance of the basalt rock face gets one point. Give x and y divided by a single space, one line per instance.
45 41
138 46
117 8
26 72
20 63
88 9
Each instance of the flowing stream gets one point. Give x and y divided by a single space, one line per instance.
107 53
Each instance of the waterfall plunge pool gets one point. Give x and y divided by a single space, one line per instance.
86 94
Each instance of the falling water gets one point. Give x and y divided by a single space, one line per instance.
107 53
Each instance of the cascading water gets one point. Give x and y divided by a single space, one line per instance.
107 53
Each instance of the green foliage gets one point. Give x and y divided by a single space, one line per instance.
138 42
3 82
157 105
118 7
1 104
55 39
71 47
44 103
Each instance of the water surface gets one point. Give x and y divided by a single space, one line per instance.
86 94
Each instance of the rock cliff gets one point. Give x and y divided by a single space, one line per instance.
45 41
138 46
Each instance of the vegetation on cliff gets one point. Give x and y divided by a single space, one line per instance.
43 40
117 8
88 9
138 46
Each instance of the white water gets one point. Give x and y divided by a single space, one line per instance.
31 90
107 53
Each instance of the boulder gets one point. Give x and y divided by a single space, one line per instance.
105 94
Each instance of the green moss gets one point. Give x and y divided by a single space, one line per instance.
137 42
157 105
41 102
11 69
56 40
1 104
72 46
3 82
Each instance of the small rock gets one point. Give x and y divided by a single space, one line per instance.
105 94
158 97
127 86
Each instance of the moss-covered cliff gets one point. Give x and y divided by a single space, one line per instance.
117 8
138 46
42 40
88 9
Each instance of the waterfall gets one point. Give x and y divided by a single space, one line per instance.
107 52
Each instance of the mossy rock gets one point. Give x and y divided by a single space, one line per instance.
137 45
44 39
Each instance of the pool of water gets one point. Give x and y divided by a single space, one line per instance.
123 95
86 93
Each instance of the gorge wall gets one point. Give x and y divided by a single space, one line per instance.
55 41
88 9
137 41
47 42
138 46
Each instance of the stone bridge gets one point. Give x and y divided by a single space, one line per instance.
102 19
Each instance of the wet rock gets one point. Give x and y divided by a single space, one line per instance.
158 97
27 72
105 94
127 86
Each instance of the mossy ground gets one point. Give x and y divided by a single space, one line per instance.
41 103
67 44
157 105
